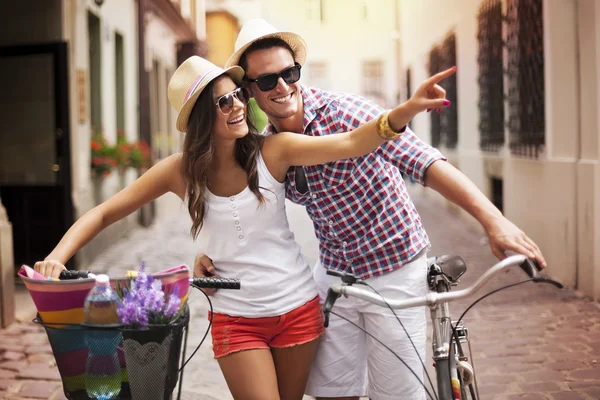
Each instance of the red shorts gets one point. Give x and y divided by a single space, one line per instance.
233 334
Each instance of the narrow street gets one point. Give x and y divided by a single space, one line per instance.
530 342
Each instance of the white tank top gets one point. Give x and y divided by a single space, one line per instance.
254 243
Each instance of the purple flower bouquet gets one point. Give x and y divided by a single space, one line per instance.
144 303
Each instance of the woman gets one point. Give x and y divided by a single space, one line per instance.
264 335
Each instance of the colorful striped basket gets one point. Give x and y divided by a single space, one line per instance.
60 311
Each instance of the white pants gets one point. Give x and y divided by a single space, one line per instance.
350 363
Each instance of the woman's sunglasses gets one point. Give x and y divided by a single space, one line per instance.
268 82
225 102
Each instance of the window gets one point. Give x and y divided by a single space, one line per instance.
525 77
315 10
435 66
120 85
497 193
193 14
155 112
449 118
161 118
491 77
95 57
373 81
172 134
408 83
317 75
408 89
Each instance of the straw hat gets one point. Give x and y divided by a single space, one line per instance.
190 79
256 29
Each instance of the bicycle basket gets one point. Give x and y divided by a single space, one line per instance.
146 360
60 311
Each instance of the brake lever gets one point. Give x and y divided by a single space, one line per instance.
532 269
328 305
346 277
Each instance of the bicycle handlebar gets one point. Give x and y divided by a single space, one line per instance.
203 283
74 274
433 298
216 283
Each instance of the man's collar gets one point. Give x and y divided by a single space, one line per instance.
314 99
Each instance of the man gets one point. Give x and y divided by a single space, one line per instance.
364 220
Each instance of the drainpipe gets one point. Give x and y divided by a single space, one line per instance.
398 50
147 211
578 139
143 75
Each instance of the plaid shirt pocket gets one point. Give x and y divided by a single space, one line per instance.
337 173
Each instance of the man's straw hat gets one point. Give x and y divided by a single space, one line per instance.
256 29
190 79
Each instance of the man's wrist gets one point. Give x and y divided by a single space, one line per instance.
489 220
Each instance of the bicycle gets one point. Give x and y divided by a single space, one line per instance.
68 338
455 375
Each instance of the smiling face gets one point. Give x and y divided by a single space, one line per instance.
283 101
230 122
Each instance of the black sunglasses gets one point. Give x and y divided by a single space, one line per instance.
268 82
225 102
300 180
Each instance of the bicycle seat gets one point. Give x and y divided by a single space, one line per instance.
453 267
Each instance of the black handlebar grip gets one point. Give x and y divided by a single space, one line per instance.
531 268
328 305
73 274
216 283
346 277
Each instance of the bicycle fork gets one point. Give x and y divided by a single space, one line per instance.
443 355
453 371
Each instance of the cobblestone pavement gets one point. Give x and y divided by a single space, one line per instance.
530 342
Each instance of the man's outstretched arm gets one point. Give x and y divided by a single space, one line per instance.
445 179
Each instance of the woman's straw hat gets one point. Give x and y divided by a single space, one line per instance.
190 79
257 29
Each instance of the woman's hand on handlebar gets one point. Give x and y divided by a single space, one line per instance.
49 268
203 267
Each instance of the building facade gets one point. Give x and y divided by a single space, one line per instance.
78 73
353 45
524 125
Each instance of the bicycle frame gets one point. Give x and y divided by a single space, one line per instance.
446 353
437 299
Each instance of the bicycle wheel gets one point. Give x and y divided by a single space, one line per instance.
449 386
467 392
465 371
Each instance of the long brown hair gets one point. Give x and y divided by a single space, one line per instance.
199 150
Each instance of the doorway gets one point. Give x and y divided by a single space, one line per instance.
35 162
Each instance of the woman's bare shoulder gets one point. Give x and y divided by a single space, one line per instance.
174 165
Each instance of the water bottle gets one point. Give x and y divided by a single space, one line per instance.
103 370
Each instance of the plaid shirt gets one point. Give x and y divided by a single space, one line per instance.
364 220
